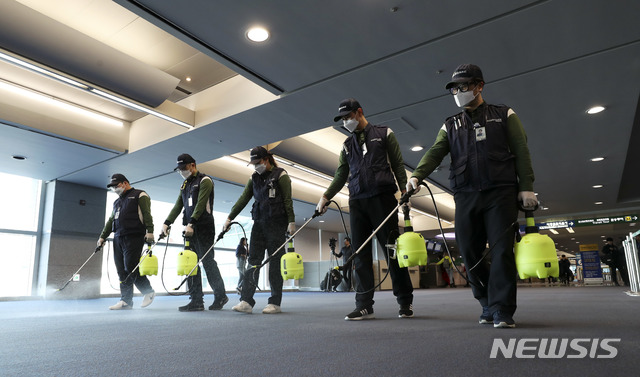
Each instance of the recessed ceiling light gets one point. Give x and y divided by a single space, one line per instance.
598 203
417 148
595 110
597 159
19 158
321 221
597 186
258 34
188 78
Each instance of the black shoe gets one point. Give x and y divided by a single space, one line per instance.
218 304
502 319
406 311
360 314
192 307
485 317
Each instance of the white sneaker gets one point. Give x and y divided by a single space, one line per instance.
121 305
243 307
271 309
148 299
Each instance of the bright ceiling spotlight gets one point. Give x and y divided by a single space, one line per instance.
597 159
258 34
595 109
417 148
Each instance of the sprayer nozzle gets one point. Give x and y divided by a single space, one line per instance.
405 198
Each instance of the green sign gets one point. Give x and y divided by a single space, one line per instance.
606 220
588 222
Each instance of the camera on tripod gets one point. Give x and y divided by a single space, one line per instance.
332 244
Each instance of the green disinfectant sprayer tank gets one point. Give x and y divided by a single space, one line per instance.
187 260
411 249
148 263
291 264
535 253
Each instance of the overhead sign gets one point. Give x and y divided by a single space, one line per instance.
606 220
588 222
589 247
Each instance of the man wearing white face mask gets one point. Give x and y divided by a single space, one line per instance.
273 217
371 160
196 202
132 225
490 171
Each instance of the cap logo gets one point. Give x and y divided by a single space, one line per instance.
462 72
342 108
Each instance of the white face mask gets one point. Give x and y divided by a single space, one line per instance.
464 98
118 190
260 168
185 173
350 124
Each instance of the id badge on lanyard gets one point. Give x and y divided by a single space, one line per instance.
481 133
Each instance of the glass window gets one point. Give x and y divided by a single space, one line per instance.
20 204
20 209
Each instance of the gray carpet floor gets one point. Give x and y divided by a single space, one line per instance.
311 338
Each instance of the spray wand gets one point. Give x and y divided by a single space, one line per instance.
98 248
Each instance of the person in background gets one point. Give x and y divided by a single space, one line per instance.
565 269
372 163
273 218
345 253
196 202
491 171
614 257
241 262
448 265
132 225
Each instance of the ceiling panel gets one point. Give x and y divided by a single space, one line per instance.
47 157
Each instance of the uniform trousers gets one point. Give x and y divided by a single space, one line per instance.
489 216
127 250
201 241
365 216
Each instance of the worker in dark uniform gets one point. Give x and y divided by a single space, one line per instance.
490 171
614 257
273 218
196 198
132 225
371 160
345 253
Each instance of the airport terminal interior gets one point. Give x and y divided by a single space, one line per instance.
93 88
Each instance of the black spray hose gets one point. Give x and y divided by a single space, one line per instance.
486 253
87 261
108 275
164 258
289 238
203 256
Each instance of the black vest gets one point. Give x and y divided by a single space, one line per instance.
370 172
190 190
126 218
269 202
480 165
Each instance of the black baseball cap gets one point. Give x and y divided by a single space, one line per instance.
184 159
465 73
257 154
117 179
346 106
